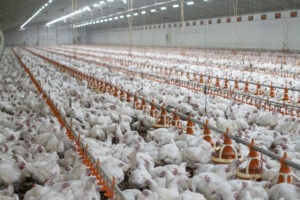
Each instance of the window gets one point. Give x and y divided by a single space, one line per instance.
263 17
293 14
277 15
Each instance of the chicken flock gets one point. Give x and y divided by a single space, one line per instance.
147 163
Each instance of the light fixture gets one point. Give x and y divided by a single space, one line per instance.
135 12
86 8
189 3
35 14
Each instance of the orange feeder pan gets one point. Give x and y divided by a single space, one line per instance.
285 172
176 120
254 170
227 152
286 94
207 134
163 122
190 125
153 110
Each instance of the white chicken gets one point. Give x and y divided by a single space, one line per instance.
200 154
170 153
139 176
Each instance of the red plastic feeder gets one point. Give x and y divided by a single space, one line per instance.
285 172
254 169
227 153
217 84
226 83
135 101
176 120
143 106
163 122
153 110
272 91
246 89
207 135
128 97
190 125
286 95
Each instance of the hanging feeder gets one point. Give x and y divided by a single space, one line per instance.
153 110
253 170
207 134
176 120
227 152
286 94
272 91
190 125
163 122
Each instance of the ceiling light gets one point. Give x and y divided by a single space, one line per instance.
110 19
190 3
153 10
143 12
175 6
128 15
135 14
63 18
121 17
35 14
116 18
163 8
105 20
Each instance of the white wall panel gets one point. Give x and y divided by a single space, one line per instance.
256 34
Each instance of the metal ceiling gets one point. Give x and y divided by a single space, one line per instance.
14 12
